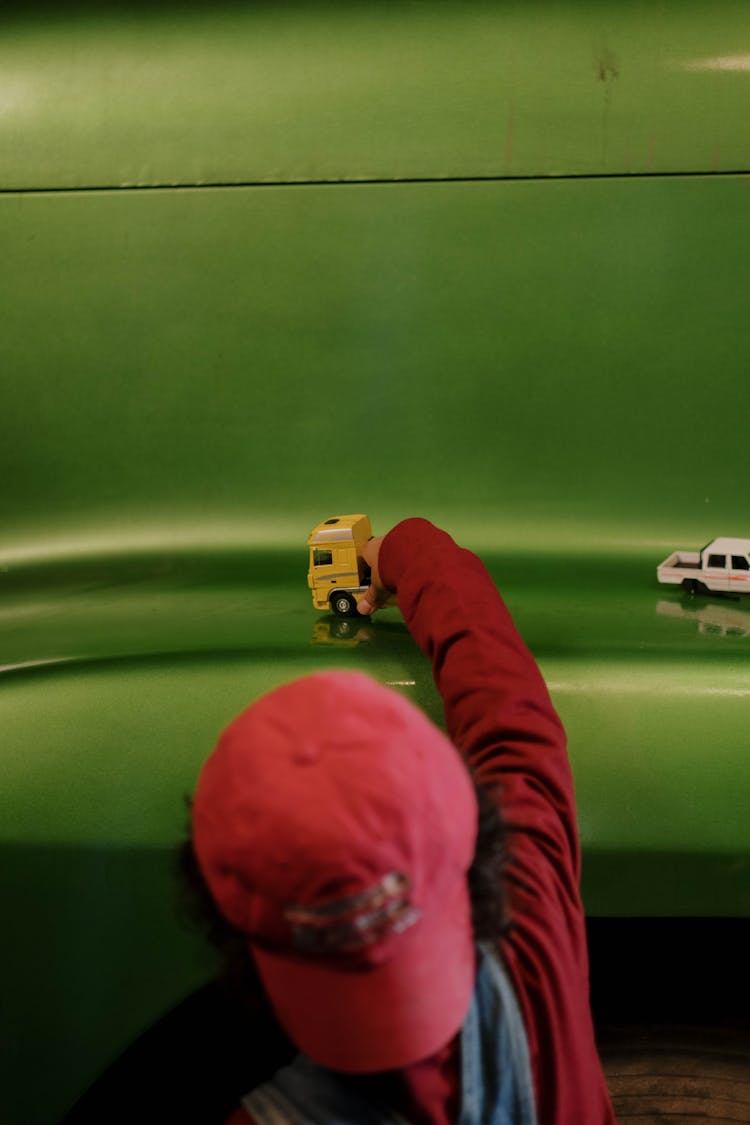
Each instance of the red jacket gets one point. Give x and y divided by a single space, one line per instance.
500 717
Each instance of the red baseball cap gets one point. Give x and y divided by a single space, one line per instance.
335 825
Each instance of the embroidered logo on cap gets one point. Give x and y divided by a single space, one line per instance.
345 924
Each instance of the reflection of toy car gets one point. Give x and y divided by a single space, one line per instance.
723 566
712 619
338 574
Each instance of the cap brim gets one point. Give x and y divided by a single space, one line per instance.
385 1017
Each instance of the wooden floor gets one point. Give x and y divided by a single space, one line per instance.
677 1074
670 1001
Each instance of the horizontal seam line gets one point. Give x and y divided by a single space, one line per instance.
369 182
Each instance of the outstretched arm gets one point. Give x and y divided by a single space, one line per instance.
497 708
500 717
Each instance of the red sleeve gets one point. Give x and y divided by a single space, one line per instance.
239 1116
500 717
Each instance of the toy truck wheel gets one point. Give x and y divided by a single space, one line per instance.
343 604
693 586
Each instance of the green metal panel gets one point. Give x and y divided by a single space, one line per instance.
551 365
652 688
105 95
191 378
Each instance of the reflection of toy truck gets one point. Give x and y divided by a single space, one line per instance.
338 574
722 566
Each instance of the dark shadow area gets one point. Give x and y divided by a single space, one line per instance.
196 1062
656 883
30 10
104 997
669 971
669 997
193 1065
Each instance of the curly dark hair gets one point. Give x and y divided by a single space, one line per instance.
490 914
488 902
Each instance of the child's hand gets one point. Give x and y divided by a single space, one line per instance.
376 596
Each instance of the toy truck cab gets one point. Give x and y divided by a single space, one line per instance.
338 574
722 566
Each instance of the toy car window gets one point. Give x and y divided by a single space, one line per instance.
739 562
322 558
717 560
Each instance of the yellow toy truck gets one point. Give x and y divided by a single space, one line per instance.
338 574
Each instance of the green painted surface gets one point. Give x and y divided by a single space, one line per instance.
171 651
191 379
91 957
237 93
541 364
